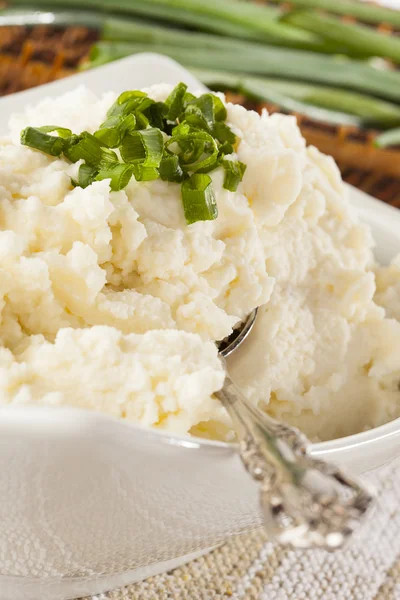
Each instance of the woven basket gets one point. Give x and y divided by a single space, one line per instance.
36 55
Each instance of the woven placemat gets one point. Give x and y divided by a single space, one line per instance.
249 567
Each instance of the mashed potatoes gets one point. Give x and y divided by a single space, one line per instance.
109 301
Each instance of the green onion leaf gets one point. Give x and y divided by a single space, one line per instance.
86 175
181 129
175 101
143 147
109 133
125 96
119 174
188 98
63 132
88 148
126 103
198 199
223 133
36 138
198 150
234 171
226 148
157 114
219 109
142 173
170 169
142 121
202 107
112 131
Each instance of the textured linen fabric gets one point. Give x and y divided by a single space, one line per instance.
249 567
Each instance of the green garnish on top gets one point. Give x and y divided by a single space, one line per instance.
179 140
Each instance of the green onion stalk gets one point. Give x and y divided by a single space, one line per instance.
125 29
321 103
367 12
388 138
358 38
269 61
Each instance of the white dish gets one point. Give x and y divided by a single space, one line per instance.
89 503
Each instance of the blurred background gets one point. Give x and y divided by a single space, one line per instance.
334 64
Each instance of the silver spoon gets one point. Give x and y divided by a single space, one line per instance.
306 502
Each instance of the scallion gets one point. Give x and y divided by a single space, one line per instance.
170 169
234 171
175 101
143 147
388 138
88 148
86 175
39 139
198 198
119 175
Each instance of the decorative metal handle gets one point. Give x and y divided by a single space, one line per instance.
306 502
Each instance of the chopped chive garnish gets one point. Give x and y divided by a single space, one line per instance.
175 101
145 173
203 107
179 140
35 137
198 199
63 132
170 169
234 171
88 148
144 147
223 133
119 175
86 175
112 131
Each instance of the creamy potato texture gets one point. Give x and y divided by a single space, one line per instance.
110 301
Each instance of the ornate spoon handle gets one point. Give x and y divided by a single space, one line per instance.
306 502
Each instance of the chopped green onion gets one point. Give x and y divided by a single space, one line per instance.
86 175
63 132
128 102
198 150
157 115
219 108
88 148
142 173
223 133
112 131
119 174
175 101
37 138
144 147
234 171
137 125
198 199
170 169
226 148
125 96
202 107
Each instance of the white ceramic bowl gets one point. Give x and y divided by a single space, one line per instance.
88 503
